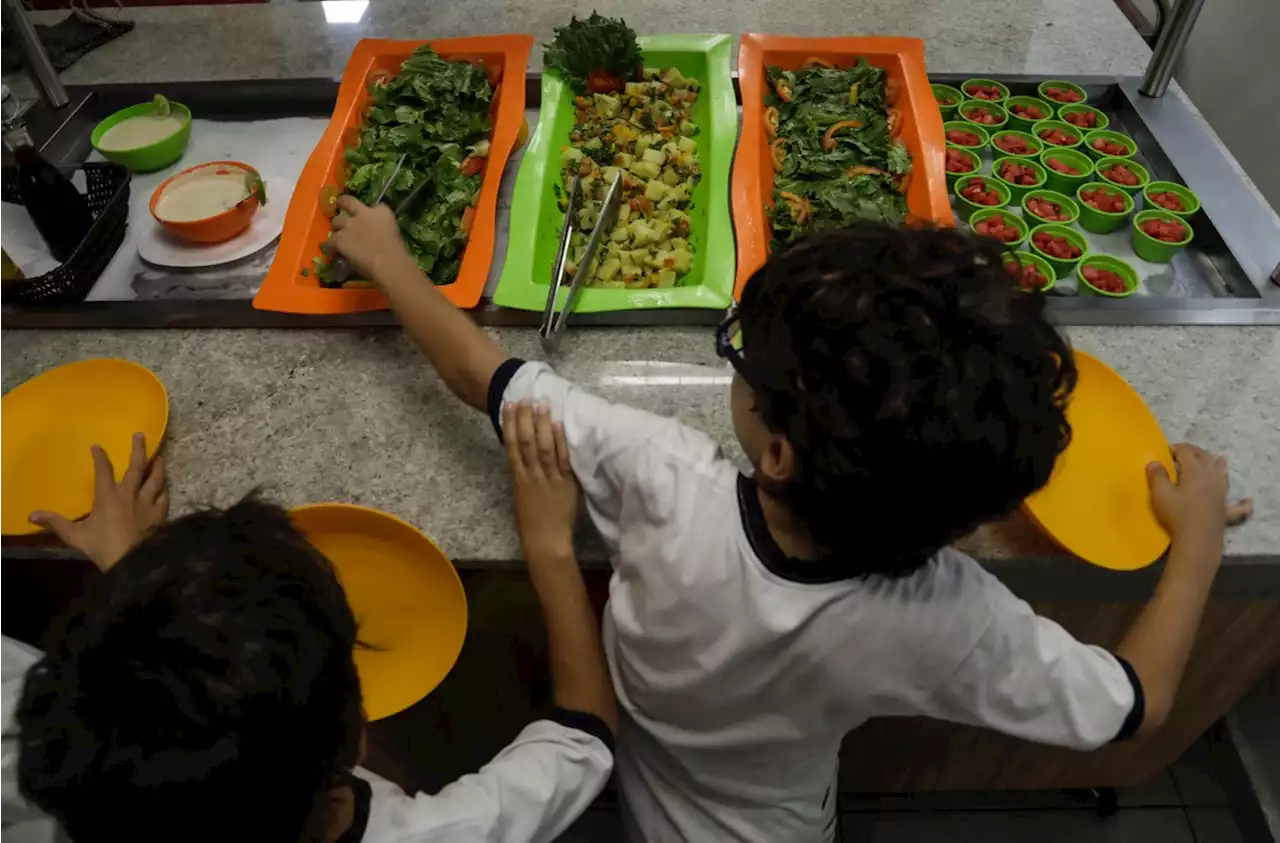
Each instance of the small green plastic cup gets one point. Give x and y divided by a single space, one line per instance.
966 126
1064 202
1149 248
994 108
964 89
1144 177
1190 202
1017 191
1114 137
1030 140
1100 118
1102 222
1064 182
964 207
972 156
1012 219
1127 273
1025 123
1028 259
153 156
946 92
1061 268
1070 130
1043 87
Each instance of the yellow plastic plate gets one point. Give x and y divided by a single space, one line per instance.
406 596
1097 504
51 421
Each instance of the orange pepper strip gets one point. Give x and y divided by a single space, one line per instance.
904 182
784 92
778 154
771 122
814 61
829 139
799 211
863 169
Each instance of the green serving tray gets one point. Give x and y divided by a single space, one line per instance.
536 217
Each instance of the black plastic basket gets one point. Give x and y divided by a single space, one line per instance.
108 194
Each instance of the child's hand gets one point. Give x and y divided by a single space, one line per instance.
546 491
1196 506
122 512
369 238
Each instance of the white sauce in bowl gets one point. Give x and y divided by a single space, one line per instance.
204 194
137 132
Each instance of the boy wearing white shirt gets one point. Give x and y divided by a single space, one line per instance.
203 689
893 390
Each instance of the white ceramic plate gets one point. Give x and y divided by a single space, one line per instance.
157 246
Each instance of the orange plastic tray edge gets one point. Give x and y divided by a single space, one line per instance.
305 227
922 131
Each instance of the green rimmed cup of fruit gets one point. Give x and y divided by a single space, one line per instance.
1100 144
1067 169
1128 175
987 90
1059 92
1104 275
1000 224
977 193
1059 134
1031 273
1025 112
1084 117
1015 143
948 99
1158 236
967 135
1043 206
1103 207
1020 175
988 115
1060 246
961 162
1170 196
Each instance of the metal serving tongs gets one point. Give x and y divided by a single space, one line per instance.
554 319
339 266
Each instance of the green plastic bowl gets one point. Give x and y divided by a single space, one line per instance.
1149 248
1058 124
1060 83
1030 140
964 89
1144 176
1025 123
1102 222
1101 120
973 156
1065 203
966 126
964 207
941 92
1114 137
1061 268
1026 258
1017 191
1190 202
978 216
1062 182
154 156
1117 266
994 107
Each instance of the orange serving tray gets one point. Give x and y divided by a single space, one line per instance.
903 59
306 227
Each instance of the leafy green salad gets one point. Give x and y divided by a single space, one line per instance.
835 157
437 114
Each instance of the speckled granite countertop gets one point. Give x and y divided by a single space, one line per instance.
359 416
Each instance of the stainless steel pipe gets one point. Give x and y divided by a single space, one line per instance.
1173 37
34 58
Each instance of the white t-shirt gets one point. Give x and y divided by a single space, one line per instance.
531 791
739 671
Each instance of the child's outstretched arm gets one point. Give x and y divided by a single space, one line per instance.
460 351
1194 512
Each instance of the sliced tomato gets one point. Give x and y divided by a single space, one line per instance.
472 165
600 81
468 219
783 90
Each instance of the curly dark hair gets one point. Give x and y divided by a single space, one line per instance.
203 689
922 393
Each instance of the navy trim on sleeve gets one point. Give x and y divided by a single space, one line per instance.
584 722
497 388
1134 719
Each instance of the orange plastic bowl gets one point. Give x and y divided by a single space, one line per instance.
199 188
